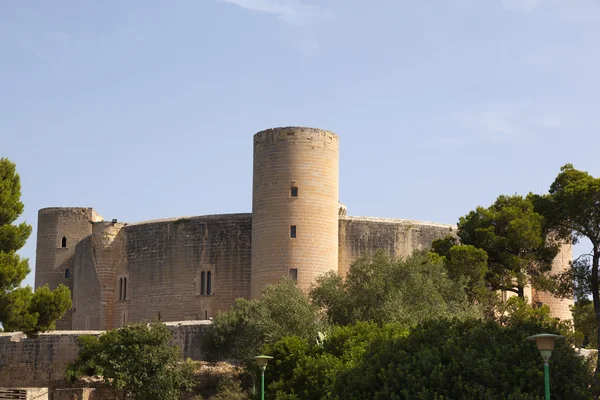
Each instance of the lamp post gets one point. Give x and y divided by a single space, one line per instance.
545 344
262 361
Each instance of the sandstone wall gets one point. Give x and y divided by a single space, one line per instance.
362 236
41 361
308 160
166 259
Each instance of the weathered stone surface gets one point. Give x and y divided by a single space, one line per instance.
42 361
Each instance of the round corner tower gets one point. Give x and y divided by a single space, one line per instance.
294 206
58 232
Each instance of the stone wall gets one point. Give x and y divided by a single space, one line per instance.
24 393
362 236
166 260
42 361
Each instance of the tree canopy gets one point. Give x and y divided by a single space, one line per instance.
20 307
136 359
572 208
382 289
240 332
515 239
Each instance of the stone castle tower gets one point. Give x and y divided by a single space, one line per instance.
294 206
58 231
190 268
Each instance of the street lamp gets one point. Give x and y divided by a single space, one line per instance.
262 362
545 344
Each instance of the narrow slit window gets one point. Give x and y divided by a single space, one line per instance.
208 283
202 283
294 274
63 242
120 288
293 231
124 288
67 273
294 191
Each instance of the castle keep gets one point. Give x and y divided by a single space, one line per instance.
190 268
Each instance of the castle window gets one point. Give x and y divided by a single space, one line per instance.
293 231
208 283
67 273
294 274
63 242
294 191
202 283
123 288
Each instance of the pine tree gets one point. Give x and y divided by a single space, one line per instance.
20 307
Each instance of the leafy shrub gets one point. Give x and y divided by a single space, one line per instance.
137 359
385 290
464 360
240 332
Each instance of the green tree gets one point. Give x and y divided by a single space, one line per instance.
21 308
515 238
385 290
304 369
240 332
467 264
584 322
136 359
474 359
572 208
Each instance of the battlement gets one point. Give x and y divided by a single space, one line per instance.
296 134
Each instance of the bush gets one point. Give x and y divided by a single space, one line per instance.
308 369
240 332
464 360
136 359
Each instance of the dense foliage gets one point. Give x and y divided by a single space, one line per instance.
20 307
572 207
308 369
516 241
240 332
136 359
463 360
385 290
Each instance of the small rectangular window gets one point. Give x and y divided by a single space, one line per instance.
120 288
202 283
293 231
294 191
294 274
208 283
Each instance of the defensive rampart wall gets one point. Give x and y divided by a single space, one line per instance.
362 236
41 361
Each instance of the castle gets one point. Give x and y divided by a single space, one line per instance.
190 268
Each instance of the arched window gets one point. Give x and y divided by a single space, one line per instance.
202 283
67 273
64 242
208 282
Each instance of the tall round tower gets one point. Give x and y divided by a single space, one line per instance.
294 206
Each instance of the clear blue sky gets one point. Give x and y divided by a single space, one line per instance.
146 109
